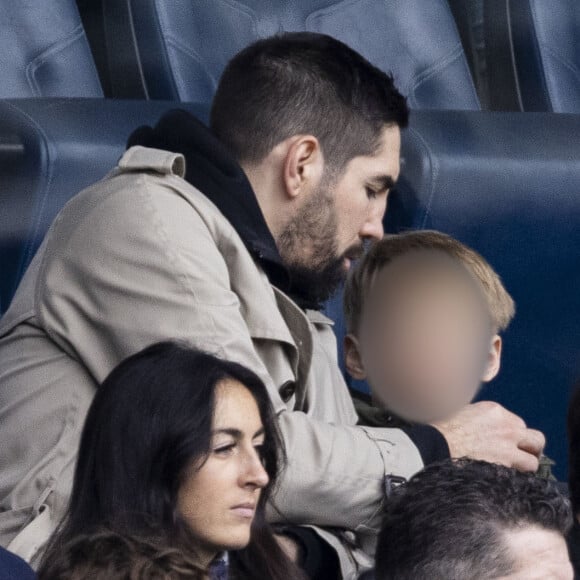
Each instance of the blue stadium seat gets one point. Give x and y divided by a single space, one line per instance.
534 54
44 51
181 47
50 149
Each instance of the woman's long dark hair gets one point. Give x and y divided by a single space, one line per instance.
149 421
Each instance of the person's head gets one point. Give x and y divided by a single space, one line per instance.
574 449
471 519
423 315
316 128
107 555
180 446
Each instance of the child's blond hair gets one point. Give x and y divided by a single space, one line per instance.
500 303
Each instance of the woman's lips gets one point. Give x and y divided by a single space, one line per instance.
246 511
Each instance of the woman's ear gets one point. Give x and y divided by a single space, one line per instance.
352 358
494 359
303 165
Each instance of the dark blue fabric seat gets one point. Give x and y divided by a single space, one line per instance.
181 47
44 51
534 54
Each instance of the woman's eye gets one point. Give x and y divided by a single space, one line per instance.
224 449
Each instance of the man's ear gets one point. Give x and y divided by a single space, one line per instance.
494 359
352 358
303 165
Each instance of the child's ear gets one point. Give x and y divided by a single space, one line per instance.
352 358
494 359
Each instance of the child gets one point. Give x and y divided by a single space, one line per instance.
424 315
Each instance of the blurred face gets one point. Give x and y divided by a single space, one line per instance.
424 337
319 243
218 501
539 554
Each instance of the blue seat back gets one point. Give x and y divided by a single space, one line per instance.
182 46
547 45
44 51
533 53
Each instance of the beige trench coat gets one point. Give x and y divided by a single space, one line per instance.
140 257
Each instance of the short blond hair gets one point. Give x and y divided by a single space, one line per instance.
500 303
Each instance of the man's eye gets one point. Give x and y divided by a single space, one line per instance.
371 193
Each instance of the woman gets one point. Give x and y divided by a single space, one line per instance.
178 456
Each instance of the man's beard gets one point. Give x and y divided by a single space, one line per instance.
308 246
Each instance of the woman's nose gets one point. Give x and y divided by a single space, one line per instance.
254 471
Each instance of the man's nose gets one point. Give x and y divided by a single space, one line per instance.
373 227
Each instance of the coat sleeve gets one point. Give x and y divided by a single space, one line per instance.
335 473
142 266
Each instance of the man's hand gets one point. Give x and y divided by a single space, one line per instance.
489 432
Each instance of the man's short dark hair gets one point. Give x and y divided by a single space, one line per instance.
447 521
304 83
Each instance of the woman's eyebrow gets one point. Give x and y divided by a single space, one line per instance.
259 432
228 431
237 433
